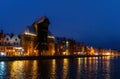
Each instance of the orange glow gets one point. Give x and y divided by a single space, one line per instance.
64 53
65 68
91 51
108 53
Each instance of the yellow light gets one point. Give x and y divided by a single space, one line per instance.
51 37
64 53
67 42
65 68
27 33
18 47
13 50
35 51
108 53
96 53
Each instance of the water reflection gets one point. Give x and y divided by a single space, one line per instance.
34 70
65 68
79 62
17 69
106 67
53 69
23 69
2 69
77 68
93 66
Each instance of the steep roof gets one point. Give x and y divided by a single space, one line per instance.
29 29
43 19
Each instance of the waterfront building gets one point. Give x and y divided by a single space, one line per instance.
79 48
51 44
28 41
65 46
10 45
37 39
60 45
71 46
1 43
41 28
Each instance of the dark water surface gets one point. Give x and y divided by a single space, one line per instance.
77 68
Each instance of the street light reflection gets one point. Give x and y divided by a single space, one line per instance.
65 68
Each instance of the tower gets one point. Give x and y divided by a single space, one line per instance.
41 28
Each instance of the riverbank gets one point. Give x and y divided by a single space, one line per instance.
4 58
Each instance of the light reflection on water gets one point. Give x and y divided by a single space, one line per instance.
2 69
78 68
65 68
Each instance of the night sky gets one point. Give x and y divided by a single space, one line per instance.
94 22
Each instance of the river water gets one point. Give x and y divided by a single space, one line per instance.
77 68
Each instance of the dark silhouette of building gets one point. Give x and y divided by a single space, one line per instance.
41 28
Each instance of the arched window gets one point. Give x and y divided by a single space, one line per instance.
16 39
7 39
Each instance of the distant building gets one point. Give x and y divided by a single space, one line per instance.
2 48
10 45
64 46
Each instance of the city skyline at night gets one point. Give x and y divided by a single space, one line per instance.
59 39
95 23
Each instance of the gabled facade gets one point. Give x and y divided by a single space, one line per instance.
10 45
